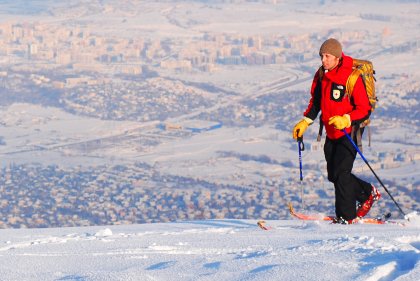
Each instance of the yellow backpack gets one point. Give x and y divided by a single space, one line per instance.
364 69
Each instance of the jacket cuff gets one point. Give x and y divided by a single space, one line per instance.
308 120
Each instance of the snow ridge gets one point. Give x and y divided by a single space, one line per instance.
214 250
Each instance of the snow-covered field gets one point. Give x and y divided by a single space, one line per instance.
214 250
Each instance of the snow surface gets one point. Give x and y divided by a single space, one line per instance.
214 250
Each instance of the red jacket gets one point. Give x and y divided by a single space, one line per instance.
331 99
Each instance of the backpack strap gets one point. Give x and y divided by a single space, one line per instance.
321 128
351 81
356 135
321 124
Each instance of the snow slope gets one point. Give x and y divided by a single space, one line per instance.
214 250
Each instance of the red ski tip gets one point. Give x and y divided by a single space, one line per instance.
262 225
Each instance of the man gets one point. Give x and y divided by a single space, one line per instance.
339 112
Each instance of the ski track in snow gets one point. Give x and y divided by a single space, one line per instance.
213 250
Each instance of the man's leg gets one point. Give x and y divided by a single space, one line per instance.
340 156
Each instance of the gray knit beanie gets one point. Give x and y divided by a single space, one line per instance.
331 46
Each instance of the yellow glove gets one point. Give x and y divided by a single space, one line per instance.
340 122
301 127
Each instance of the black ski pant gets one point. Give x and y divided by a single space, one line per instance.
349 189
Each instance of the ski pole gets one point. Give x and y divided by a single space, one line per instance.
364 159
301 147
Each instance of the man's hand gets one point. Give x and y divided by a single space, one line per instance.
301 127
340 122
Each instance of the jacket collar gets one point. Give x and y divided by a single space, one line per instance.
342 71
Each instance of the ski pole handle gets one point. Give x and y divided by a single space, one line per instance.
301 144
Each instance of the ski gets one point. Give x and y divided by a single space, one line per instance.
263 226
320 217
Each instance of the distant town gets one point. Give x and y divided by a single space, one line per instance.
36 196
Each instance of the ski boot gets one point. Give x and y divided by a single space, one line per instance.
364 208
340 220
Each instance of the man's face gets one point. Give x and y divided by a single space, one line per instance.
329 61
